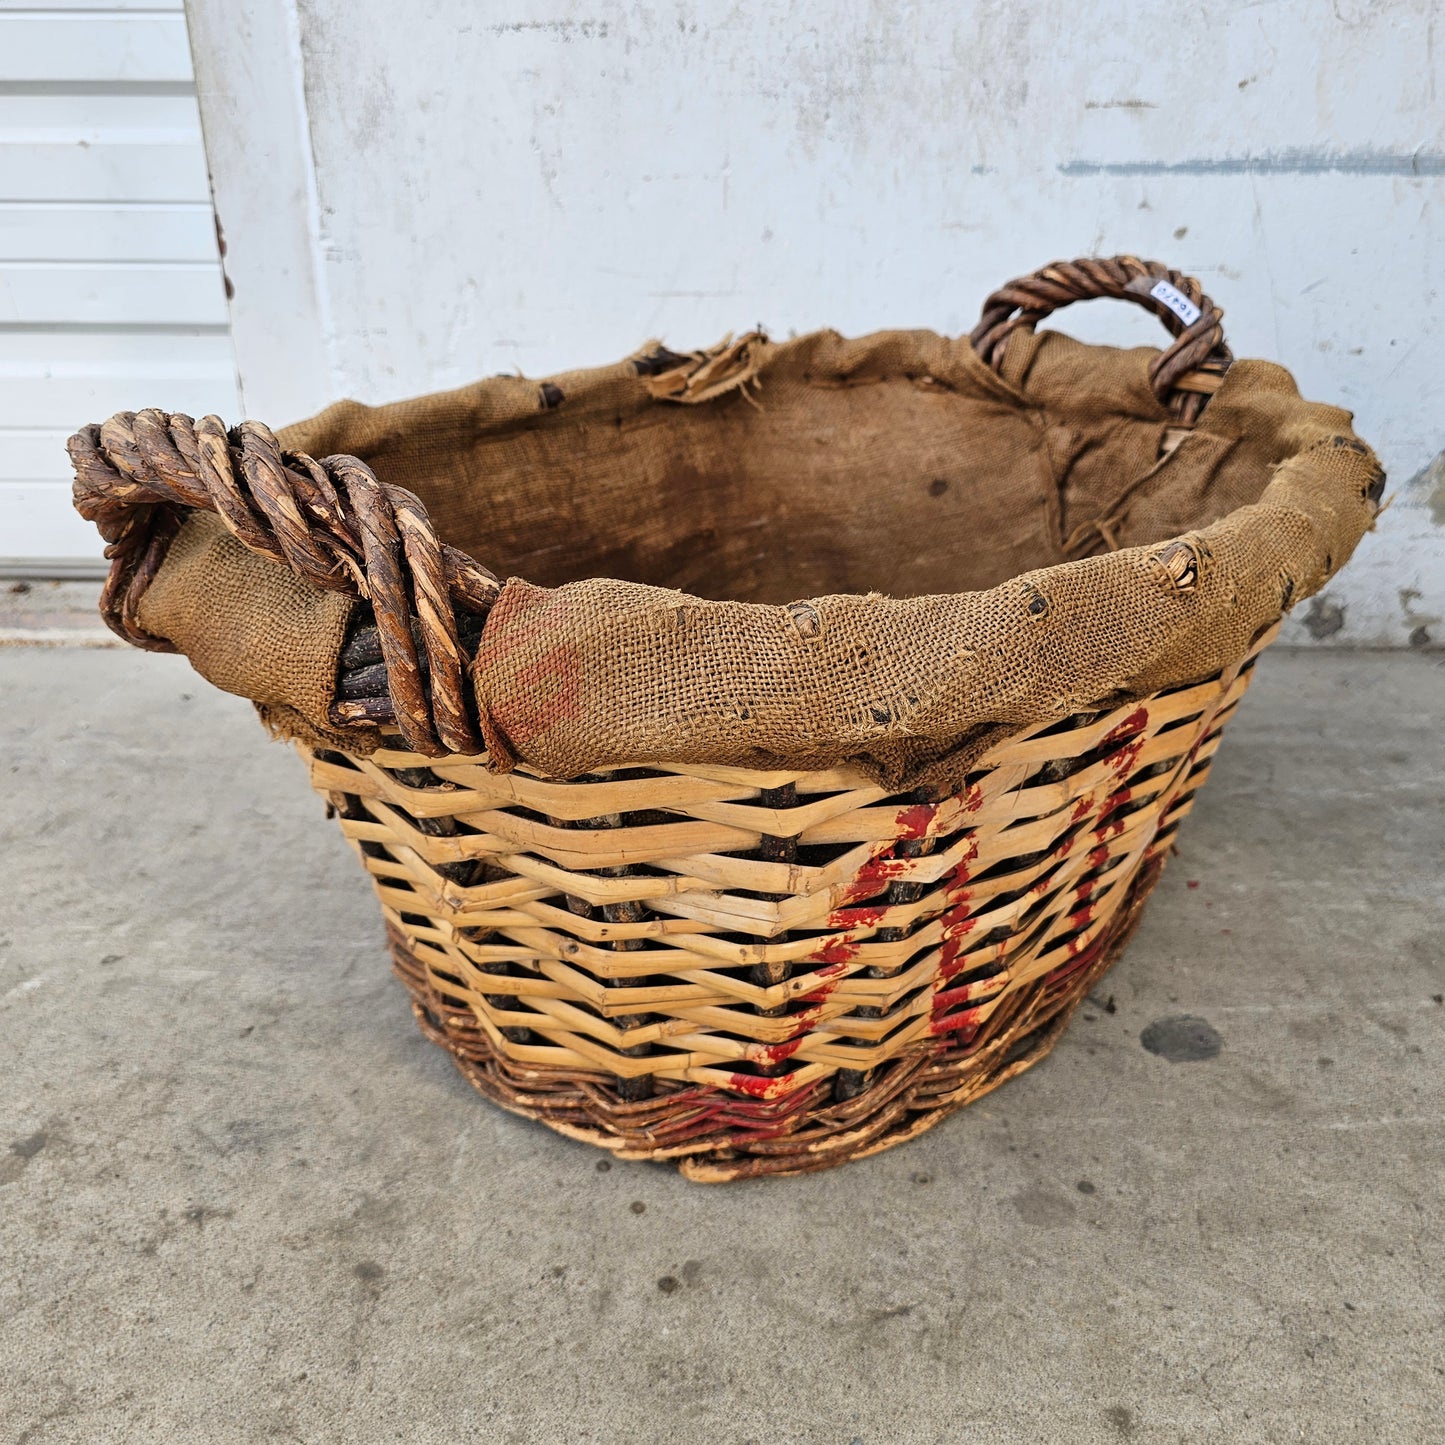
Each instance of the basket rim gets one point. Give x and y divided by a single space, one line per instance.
146 477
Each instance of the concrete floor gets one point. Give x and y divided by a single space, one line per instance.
242 1199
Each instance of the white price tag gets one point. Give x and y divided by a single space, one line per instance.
1176 301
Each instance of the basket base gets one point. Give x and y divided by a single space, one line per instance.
714 1136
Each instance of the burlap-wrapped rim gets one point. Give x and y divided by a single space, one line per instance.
600 672
1156 570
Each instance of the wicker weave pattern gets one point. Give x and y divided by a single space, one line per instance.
773 938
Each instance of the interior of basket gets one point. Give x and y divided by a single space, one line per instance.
882 465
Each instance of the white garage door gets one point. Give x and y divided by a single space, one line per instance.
111 293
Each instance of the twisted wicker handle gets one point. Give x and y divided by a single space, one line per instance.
1183 375
331 521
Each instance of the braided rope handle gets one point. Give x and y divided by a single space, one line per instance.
1183 374
330 521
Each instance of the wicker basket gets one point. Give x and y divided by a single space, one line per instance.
746 969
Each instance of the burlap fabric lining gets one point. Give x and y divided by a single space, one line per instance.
251 627
875 551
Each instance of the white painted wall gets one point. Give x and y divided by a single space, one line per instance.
111 295
418 194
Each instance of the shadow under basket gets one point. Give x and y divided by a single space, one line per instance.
682 866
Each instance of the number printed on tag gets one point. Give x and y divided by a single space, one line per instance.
1176 301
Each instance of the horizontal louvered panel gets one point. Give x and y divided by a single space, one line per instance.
118 170
93 46
43 231
111 294
60 380
94 293
101 148
120 6
59 115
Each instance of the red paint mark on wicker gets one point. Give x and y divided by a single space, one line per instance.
1082 808
744 1135
876 874
1098 856
957 925
947 1023
957 876
800 1024
759 1088
1123 762
1067 970
1080 918
1082 959
767 1119
715 1105
850 918
831 976
915 821
836 951
972 798
946 999
962 1039
708 1111
949 958
776 1053
1136 722
1113 825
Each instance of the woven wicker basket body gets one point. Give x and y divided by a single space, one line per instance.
766 973
747 971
